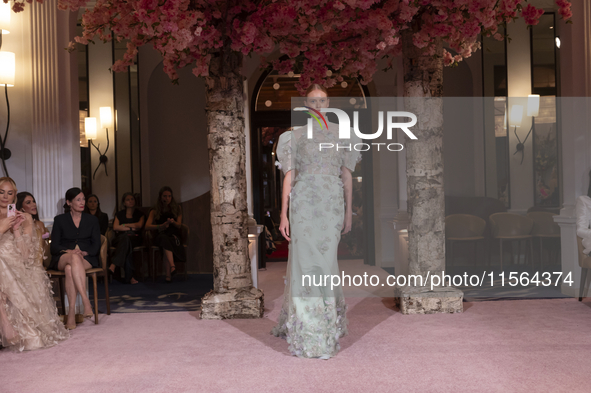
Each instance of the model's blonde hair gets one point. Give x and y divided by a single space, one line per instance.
8 179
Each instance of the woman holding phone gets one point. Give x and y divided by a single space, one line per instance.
28 316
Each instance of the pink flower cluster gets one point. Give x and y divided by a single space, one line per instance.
323 40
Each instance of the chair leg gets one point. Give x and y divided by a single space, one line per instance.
107 298
531 253
475 252
541 255
60 281
501 253
583 282
95 299
152 266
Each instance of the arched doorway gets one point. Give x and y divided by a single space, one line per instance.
271 116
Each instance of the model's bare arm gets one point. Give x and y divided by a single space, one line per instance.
284 223
348 190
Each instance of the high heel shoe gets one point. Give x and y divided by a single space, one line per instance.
172 271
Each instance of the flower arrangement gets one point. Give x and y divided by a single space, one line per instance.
328 39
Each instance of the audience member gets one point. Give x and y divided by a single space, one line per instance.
93 206
127 225
25 202
28 316
75 247
166 217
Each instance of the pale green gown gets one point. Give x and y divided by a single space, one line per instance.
312 318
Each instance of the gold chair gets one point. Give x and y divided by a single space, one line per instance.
94 272
510 226
585 264
150 235
544 229
464 228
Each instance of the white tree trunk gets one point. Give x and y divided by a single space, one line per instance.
233 295
423 96
423 79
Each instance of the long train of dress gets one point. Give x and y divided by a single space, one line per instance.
26 295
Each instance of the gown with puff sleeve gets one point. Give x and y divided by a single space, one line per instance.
312 318
26 295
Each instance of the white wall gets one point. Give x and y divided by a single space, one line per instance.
100 82
43 107
20 165
519 87
173 121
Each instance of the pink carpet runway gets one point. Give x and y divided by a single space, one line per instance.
500 346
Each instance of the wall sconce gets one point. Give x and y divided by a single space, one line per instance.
515 120
5 13
7 71
90 129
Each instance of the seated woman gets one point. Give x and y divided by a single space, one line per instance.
75 247
93 206
127 225
25 202
28 316
583 213
167 218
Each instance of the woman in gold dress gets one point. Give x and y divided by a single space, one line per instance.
28 316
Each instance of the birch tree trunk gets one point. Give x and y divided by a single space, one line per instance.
233 295
423 96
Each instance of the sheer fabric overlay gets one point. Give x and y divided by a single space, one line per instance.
26 296
313 317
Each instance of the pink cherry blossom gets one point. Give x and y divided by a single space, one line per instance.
347 37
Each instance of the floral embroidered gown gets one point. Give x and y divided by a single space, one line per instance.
312 318
25 294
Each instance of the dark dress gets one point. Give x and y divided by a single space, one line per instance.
125 241
65 236
104 223
170 238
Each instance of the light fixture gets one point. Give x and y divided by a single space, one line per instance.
516 116
533 104
106 116
90 129
533 109
5 13
7 70
557 40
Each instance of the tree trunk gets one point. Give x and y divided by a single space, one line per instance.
233 295
423 92
423 96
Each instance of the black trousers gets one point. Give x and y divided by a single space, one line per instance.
123 256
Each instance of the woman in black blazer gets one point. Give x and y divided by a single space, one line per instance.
75 247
